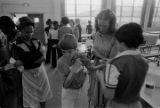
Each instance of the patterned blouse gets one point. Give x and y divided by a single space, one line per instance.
104 47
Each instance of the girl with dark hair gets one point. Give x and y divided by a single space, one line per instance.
29 52
103 48
125 71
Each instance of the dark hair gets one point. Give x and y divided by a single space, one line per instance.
48 21
55 22
106 15
65 20
68 42
131 34
23 22
8 27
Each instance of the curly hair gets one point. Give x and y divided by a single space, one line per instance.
65 20
8 27
131 34
106 15
24 21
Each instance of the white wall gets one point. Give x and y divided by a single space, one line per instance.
50 8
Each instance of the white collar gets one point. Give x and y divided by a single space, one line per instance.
128 52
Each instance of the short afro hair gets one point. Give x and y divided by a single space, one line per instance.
23 22
65 20
131 34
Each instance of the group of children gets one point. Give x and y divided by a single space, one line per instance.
124 74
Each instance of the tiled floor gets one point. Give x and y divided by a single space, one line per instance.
56 81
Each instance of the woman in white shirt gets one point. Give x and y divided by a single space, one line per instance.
53 35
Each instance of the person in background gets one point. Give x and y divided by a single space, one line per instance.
53 35
125 71
77 21
64 29
49 40
104 47
30 53
49 24
10 73
89 28
75 29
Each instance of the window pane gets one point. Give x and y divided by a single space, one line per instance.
96 7
136 19
138 2
157 3
83 10
118 10
83 2
127 2
156 15
70 7
118 2
137 11
126 11
156 22
95 10
126 19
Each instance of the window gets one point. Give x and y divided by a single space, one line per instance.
156 15
83 9
128 11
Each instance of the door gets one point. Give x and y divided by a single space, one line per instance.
39 26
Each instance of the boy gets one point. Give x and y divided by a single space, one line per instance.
125 74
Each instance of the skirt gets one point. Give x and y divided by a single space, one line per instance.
36 87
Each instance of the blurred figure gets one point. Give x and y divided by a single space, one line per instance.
49 24
89 28
10 76
75 29
49 40
64 29
77 21
53 35
30 53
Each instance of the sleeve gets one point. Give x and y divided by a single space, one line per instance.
111 76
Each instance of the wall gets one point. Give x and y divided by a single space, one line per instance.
49 8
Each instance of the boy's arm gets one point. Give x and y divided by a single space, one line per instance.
108 80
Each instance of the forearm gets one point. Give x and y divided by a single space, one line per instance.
108 93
